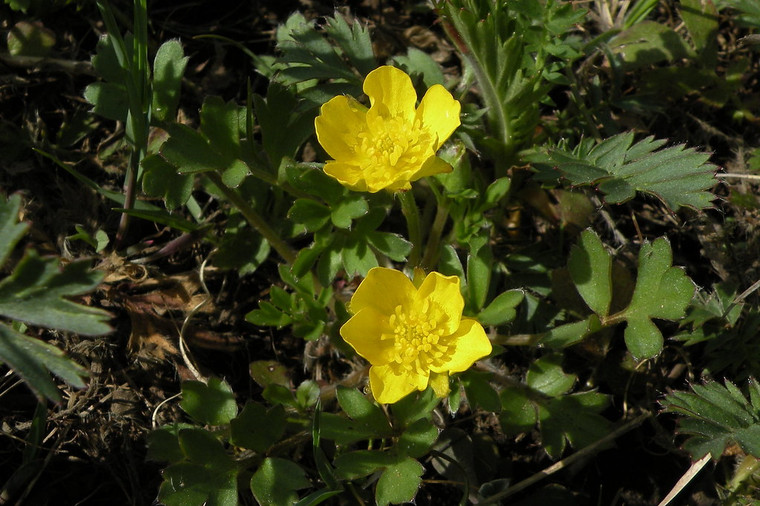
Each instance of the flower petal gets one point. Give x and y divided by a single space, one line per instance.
433 165
390 384
347 174
364 332
439 114
470 343
441 293
383 289
339 121
391 92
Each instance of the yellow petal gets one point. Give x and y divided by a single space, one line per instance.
391 92
440 384
347 174
442 293
433 165
439 114
383 289
389 386
339 121
470 343
364 332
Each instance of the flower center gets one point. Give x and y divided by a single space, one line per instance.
391 145
418 341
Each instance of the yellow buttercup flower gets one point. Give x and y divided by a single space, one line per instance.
411 335
390 144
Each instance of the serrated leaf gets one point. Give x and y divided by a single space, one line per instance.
715 415
676 175
11 230
354 40
662 292
34 293
574 418
590 267
168 68
211 403
419 62
399 482
33 360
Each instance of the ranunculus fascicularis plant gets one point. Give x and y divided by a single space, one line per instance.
412 335
390 144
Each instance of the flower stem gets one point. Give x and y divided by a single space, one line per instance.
433 246
412 215
254 219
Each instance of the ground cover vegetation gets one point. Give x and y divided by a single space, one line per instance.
388 251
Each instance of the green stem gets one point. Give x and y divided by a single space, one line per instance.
254 219
433 246
412 215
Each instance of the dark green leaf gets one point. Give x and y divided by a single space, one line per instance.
399 482
256 427
11 230
502 309
212 403
277 481
34 293
168 68
360 463
590 267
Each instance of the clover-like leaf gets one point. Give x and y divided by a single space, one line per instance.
662 291
277 481
212 403
590 268
399 482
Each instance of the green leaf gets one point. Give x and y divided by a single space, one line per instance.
256 427
168 68
389 244
590 267
647 43
569 334
212 403
348 210
277 481
358 258
33 360
546 376
413 407
662 291
207 476
361 463
714 416
479 263
34 293
354 40
359 408
310 214
109 100
160 179
163 443
399 482
417 439
11 230
573 418
479 391
502 309
518 413
30 39
419 62
189 151
678 176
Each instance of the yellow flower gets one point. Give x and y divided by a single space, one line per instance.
390 144
408 333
